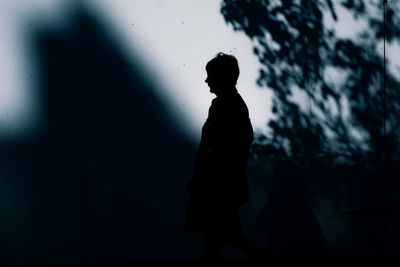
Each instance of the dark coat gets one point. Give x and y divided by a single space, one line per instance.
219 182
220 168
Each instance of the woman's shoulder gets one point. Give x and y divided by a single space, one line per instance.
231 106
238 106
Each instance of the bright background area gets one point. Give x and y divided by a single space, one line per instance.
174 39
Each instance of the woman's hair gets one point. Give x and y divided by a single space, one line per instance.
225 67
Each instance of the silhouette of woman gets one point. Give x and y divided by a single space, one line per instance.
219 183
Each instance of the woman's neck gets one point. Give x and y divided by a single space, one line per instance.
226 92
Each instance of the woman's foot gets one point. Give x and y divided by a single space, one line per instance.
263 254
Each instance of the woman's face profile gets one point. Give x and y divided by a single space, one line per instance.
213 82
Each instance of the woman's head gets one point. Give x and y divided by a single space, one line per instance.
222 73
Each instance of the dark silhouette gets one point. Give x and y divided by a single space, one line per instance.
219 183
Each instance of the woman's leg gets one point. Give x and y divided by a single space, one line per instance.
212 248
243 243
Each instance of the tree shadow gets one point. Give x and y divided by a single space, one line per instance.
332 96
